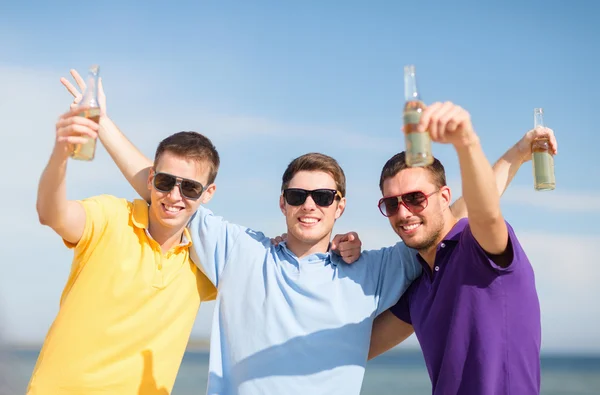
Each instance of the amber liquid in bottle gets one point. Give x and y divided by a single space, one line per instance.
87 150
542 158
418 144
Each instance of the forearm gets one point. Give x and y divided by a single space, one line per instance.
479 185
52 204
504 171
132 163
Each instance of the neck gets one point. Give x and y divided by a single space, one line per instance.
428 254
165 237
302 249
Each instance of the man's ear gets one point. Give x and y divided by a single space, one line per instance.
282 204
150 178
340 208
208 193
446 196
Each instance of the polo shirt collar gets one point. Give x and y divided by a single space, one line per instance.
316 257
140 219
451 238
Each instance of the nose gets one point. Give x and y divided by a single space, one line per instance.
175 193
309 204
403 212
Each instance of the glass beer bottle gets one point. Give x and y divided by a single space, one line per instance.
418 144
542 159
89 101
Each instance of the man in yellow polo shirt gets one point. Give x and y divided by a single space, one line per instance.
133 293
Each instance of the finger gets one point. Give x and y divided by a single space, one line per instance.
441 118
78 79
76 130
426 117
77 119
334 246
452 119
73 139
351 237
73 112
349 251
70 87
553 142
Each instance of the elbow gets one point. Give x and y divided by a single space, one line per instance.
44 216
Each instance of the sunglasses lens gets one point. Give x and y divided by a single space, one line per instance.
323 197
417 201
191 189
295 197
164 182
389 206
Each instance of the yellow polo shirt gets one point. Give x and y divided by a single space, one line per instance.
126 312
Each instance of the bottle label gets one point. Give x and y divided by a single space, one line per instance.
543 169
412 117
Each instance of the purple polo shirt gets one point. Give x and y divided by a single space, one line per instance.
478 324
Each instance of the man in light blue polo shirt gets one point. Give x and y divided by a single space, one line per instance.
292 318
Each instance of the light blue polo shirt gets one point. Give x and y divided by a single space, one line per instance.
284 325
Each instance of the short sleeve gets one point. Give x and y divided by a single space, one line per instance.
514 247
401 309
397 268
213 242
99 212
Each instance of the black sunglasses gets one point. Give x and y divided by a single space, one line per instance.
321 197
415 202
189 189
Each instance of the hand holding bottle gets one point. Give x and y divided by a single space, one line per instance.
73 129
448 123
524 146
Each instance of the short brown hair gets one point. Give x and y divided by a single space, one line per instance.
191 145
315 161
397 163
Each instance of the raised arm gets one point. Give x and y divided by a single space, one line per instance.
132 163
65 217
449 123
509 164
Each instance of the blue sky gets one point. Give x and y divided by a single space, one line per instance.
269 81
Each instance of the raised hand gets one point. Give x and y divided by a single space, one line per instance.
448 123
73 129
524 145
348 246
78 94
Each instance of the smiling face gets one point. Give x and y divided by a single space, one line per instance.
170 210
419 230
308 224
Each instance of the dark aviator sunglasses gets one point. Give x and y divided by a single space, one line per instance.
189 189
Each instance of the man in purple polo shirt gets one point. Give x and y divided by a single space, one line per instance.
474 309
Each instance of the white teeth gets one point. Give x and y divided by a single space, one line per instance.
171 208
308 220
410 227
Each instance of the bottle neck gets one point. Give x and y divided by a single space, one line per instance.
538 119
90 95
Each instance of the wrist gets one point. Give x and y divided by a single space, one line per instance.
467 143
515 155
60 153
